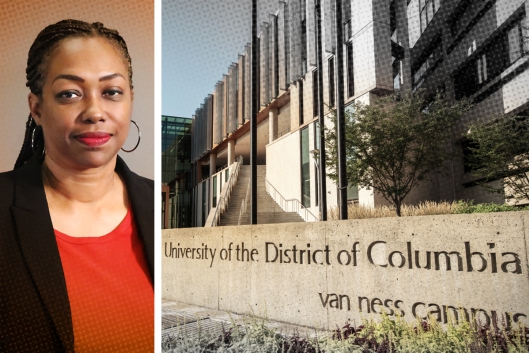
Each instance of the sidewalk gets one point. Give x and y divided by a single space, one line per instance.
180 318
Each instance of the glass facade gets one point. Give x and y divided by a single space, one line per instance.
305 168
176 171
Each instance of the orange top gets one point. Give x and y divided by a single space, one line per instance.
110 291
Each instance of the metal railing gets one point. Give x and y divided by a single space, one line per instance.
222 204
290 205
284 132
245 202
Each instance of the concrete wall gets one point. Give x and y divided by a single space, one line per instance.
286 175
355 269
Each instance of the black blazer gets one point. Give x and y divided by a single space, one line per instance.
34 308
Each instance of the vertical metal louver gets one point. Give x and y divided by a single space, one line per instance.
218 106
208 117
294 11
329 28
311 33
225 127
232 98
203 130
247 80
241 90
283 45
264 64
272 48
193 140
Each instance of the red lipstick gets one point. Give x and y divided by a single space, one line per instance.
93 139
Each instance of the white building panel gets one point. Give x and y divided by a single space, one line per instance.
364 59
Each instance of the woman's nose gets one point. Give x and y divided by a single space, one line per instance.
93 111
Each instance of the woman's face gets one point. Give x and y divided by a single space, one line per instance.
86 103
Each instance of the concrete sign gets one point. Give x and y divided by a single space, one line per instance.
322 274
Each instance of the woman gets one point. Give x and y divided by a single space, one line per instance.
76 225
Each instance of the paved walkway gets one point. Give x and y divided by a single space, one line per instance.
179 318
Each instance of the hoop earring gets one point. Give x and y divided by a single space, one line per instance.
139 138
34 145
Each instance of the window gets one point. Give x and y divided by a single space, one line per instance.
481 64
348 30
204 202
490 61
315 90
350 70
427 9
316 172
331 83
428 64
461 14
513 43
397 55
397 73
305 168
316 135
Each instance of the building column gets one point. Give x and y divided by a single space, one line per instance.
272 124
212 164
231 152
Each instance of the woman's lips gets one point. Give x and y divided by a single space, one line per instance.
93 139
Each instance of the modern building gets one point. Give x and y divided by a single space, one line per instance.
466 48
176 172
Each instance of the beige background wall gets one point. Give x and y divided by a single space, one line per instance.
325 292
22 20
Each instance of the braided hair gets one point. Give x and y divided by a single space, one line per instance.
38 57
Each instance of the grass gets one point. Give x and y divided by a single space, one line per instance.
426 208
384 336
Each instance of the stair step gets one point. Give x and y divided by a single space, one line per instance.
268 211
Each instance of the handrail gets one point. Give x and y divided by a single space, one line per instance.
295 204
279 134
245 202
222 205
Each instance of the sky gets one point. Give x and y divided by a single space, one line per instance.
200 40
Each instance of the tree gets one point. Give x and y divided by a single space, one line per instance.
395 143
500 150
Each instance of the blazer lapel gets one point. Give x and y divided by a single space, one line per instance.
141 196
39 248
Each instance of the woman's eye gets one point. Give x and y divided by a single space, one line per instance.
68 94
113 92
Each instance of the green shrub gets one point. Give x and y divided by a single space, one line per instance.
469 207
385 336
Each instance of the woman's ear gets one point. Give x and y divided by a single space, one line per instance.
34 107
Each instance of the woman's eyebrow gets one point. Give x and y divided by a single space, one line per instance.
69 77
110 77
79 79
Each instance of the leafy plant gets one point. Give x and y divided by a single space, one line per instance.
461 207
500 150
395 143
387 335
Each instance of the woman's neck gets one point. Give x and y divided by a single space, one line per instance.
79 185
